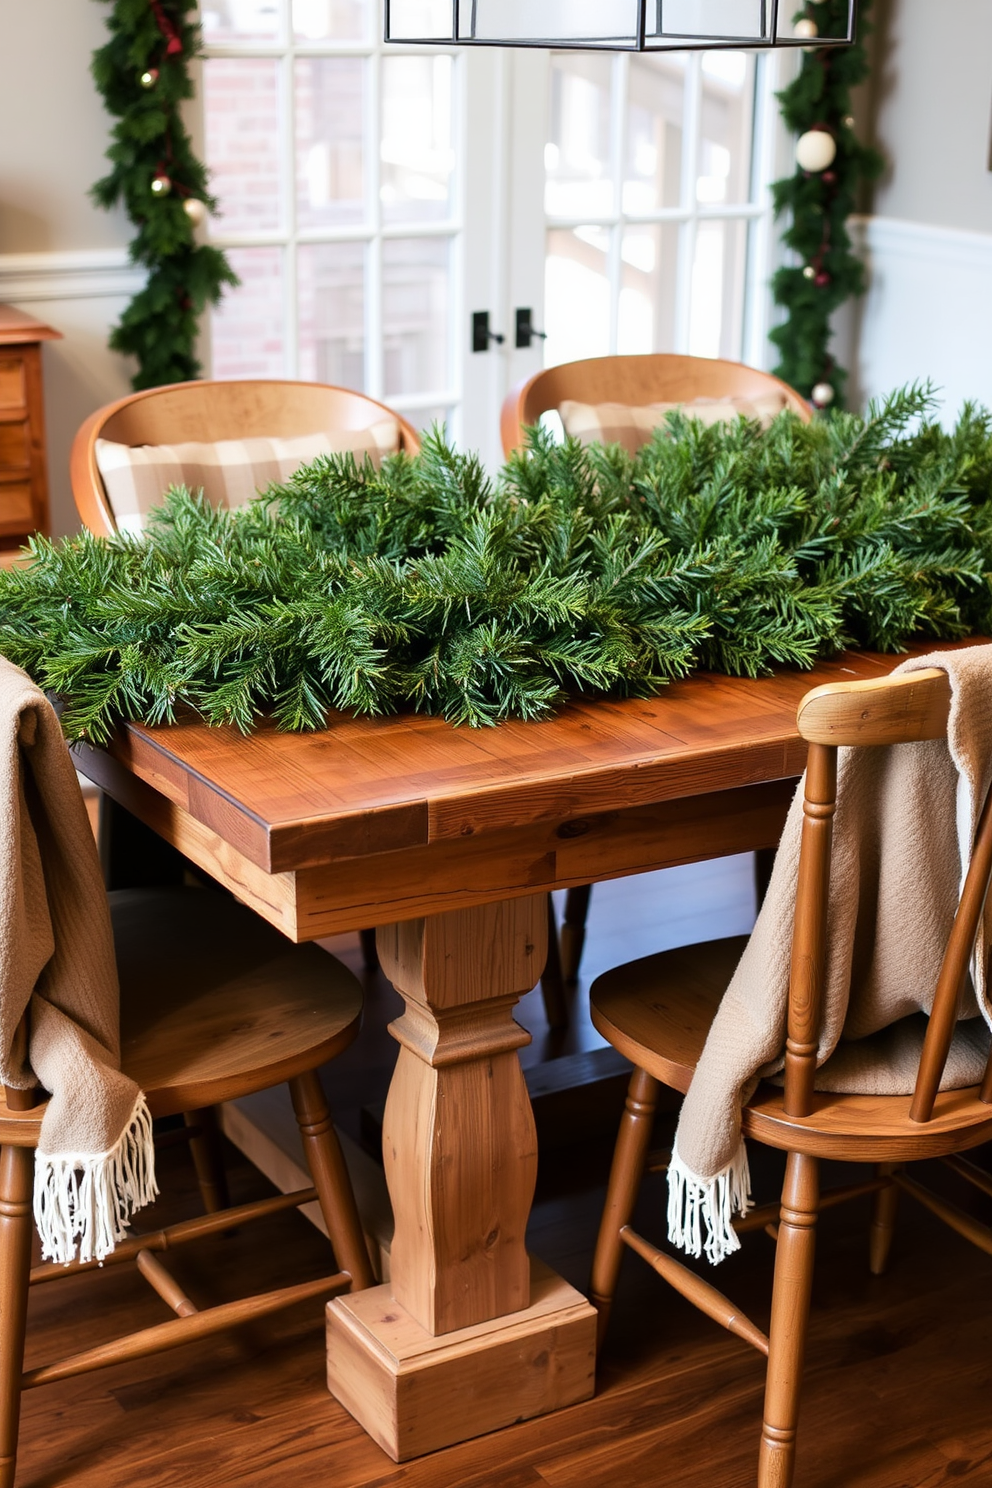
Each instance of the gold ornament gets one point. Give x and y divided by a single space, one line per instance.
815 150
822 395
161 185
849 121
809 272
806 27
195 210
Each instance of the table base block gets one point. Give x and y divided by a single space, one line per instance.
414 1392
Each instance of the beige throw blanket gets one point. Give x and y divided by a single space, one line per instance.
95 1161
905 821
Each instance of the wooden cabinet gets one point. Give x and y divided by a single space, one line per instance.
23 472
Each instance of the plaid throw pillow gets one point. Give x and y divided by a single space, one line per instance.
619 423
229 472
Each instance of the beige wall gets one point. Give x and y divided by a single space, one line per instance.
53 130
931 106
61 257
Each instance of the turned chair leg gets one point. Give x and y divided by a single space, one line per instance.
330 1178
573 930
16 1184
790 1320
883 1222
552 986
208 1159
626 1173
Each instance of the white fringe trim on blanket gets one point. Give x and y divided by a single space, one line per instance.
89 1198
716 1200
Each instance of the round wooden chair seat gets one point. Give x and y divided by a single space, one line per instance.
214 1003
657 1013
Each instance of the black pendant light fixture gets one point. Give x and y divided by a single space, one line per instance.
612 25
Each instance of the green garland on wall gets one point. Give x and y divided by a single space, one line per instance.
425 586
819 199
143 74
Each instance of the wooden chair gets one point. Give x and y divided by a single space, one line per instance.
658 1011
214 1005
635 381
204 411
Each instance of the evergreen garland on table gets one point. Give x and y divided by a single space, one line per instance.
819 201
143 74
423 585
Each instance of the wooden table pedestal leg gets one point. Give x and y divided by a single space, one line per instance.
467 1336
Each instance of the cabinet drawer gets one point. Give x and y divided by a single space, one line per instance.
13 385
16 507
15 446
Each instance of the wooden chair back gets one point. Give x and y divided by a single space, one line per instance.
636 381
202 412
894 710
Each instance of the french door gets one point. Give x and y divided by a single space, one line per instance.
374 198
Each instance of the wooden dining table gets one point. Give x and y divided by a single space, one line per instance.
448 840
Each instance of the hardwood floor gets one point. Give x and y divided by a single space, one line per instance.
898 1378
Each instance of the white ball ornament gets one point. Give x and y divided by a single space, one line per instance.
806 28
195 210
822 395
815 150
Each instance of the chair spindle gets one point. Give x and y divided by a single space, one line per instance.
809 942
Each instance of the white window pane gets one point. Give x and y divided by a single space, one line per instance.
724 166
239 20
329 101
415 315
717 293
424 419
646 312
577 155
655 105
241 119
331 20
576 295
247 329
416 151
330 281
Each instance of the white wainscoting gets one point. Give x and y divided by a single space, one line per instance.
81 294
927 312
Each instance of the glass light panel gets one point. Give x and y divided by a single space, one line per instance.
330 289
576 294
724 161
416 291
552 22
329 107
711 20
717 289
246 329
331 20
653 146
419 20
578 180
416 146
648 275
241 122
239 20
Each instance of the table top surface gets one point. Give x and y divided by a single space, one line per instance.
366 786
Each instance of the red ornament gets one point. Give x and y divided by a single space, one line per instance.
822 279
168 28
828 177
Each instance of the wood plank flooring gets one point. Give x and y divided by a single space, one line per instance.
899 1373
